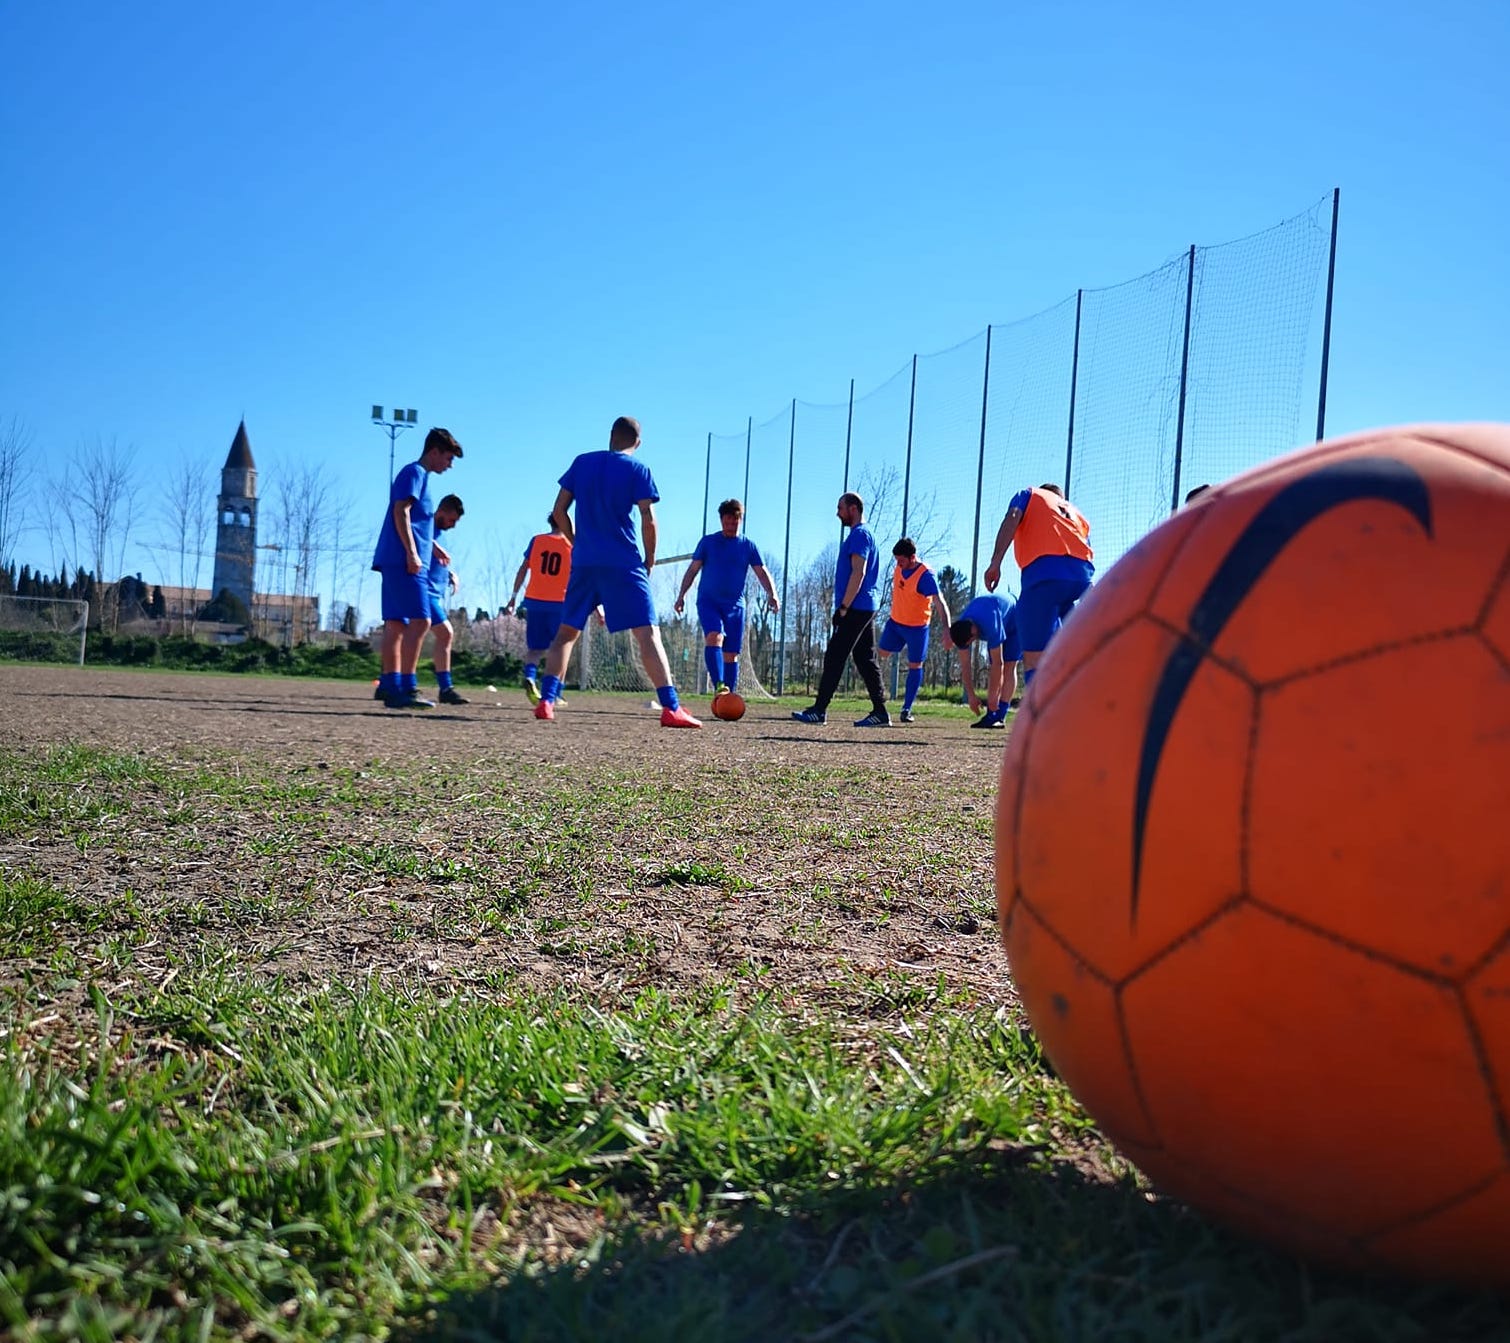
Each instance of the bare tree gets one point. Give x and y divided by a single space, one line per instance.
185 515
302 501
15 474
100 507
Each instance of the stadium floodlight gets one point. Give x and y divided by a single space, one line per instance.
403 417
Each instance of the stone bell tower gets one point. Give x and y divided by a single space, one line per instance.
236 523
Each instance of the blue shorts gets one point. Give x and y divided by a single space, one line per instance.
728 622
914 638
1011 644
541 621
406 596
1042 606
438 615
624 595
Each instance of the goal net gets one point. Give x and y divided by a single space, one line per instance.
612 661
43 629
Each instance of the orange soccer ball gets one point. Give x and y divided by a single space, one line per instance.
728 706
1253 852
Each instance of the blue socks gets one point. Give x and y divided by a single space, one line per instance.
530 669
731 672
550 688
408 683
713 660
1028 673
388 683
914 684
443 679
667 696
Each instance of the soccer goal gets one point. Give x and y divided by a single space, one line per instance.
612 661
43 629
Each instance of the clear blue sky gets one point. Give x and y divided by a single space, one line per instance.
525 220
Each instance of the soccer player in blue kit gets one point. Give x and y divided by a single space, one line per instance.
724 558
405 546
443 582
992 618
607 566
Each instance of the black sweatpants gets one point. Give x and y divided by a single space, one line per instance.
854 635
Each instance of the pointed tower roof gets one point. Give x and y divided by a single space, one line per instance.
240 458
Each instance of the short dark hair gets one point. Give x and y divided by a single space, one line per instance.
731 506
445 440
962 632
452 501
1053 489
904 547
624 428
853 500
1197 492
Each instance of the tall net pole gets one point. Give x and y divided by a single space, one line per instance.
1326 328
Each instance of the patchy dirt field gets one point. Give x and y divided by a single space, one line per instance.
301 830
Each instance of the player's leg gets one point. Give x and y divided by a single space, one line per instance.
712 621
542 621
917 655
734 642
842 639
627 604
445 641
864 655
581 600
406 605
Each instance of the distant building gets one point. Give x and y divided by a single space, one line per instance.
236 523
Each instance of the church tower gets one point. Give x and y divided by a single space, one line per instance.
236 525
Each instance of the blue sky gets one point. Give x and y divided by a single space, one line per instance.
524 221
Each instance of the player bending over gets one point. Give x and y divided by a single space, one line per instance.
992 618
724 558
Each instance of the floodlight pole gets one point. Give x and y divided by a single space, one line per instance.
393 428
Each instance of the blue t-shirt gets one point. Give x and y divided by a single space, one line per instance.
858 542
994 616
727 561
413 482
440 576
605 487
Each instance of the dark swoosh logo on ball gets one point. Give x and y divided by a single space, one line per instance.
1275 526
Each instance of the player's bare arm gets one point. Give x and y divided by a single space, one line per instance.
647 532
967 679
524 572
763 577
441 553
693 570
406 534
1004 536
561 517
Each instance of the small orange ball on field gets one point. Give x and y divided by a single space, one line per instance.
1252 865
728 706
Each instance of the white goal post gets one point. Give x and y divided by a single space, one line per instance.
43 629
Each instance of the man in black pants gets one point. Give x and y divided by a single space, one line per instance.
855 582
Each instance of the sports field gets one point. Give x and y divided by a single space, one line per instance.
323 1021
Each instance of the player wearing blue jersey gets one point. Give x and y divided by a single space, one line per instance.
914 593
856 578
608 569
405 546
443 582
724 558
991 618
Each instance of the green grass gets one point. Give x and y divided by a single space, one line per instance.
809 1141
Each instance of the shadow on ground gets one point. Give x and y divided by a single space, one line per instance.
1006 1251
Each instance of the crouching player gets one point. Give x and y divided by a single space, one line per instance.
992 618
914 590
